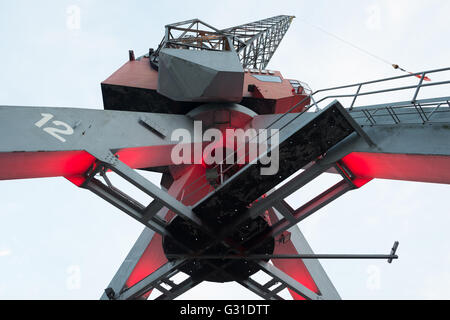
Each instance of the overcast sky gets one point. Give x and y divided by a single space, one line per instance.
60 242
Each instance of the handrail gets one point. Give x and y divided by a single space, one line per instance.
385 79
391 107
369 113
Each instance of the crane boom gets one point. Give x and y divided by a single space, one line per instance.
256 42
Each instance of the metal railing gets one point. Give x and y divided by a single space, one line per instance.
371 113
421 111
411 111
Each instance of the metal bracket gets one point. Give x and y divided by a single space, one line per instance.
153 127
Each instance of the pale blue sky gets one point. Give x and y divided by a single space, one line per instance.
50 230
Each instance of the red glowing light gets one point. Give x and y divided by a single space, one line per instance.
296 269
408 167
26 165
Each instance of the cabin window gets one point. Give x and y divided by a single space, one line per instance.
266 78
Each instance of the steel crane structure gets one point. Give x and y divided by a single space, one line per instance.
225 220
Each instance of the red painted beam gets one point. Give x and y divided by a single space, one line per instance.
408 167
296 269
26 165
183 189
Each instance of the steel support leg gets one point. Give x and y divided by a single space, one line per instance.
118 283
312 268
288 281
178 290
261 290
146 255
149 282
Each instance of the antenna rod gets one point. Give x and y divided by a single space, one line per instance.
390 257
285 256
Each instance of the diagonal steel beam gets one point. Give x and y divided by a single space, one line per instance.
314 267
129 174
258 289
288 281
274 198
130 262
136 254
178 290
150 281
134 210
310 207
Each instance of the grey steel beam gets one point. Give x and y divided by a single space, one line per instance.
312 206
314 267
248 283
83 129
260 290
134 210
124 272
274 198
178 290
119 280
150 281
406 138
284 209
303 212
278 289
149 188
288 281
54 141
152 210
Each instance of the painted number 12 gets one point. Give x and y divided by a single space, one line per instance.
64 128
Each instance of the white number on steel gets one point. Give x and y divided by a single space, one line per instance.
64 128
46 118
